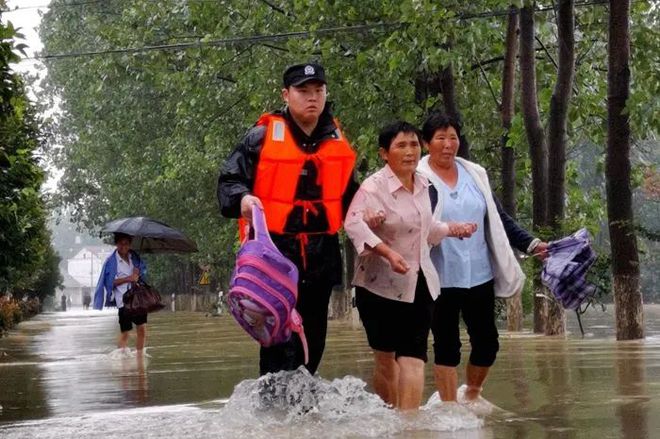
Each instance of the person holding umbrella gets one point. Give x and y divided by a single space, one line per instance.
123 267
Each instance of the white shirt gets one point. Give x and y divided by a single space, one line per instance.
124 269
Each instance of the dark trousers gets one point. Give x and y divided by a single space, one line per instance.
477 305
313 300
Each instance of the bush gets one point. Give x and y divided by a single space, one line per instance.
10 313
30 308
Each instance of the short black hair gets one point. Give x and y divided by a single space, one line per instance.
390 131
438 120
120 236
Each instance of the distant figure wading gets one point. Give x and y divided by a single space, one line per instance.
120 269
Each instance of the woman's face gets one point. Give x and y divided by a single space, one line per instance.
123 246
444 146
403 155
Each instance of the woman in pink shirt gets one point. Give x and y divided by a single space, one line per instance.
391 225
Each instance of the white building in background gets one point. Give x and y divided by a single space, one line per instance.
85 266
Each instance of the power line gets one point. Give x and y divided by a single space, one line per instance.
84 3
22 8
275 37
223 42
486 14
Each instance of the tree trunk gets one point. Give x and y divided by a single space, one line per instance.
625 259
341 305
557 139
559 102
508 197
433 84
514 309
537 146
514 313
540 303
451 107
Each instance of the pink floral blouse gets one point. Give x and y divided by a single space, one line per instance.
408 229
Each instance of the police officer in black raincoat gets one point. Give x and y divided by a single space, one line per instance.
304 239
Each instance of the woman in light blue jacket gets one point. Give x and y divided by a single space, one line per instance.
472 271
120 269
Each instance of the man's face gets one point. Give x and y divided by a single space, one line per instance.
306 101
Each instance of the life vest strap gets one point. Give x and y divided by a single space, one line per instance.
307 206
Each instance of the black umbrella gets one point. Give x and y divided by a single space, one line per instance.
151 236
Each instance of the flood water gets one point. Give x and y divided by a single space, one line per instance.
61 377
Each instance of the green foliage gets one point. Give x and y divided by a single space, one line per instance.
28 264
145 132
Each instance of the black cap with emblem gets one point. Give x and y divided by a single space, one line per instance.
297 75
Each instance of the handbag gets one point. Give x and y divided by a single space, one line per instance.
142 298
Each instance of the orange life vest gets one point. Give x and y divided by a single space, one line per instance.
280 164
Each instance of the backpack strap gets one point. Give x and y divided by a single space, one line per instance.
296 325
260 227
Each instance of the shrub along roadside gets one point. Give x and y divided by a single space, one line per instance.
28 262
13 311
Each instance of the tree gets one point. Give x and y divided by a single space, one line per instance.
28 264
537 147
557 139
514 315
508 193
625 260
549 162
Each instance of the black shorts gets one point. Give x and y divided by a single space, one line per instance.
126 321
477 306
394 326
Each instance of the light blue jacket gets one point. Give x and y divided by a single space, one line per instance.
508 276
103 293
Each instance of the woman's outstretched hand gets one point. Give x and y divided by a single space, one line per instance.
373 218
461 230
397 262
541 251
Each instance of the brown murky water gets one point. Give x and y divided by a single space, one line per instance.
60 376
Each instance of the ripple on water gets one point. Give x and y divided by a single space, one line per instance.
285 404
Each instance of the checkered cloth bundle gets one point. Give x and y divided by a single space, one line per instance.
565 269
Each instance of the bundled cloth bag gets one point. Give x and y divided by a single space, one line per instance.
565 269
142 298
264 289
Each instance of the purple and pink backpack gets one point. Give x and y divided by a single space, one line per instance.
264 289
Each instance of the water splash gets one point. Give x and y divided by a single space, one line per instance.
296 403
311 404
281 405
124 354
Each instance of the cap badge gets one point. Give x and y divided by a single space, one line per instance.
309 70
